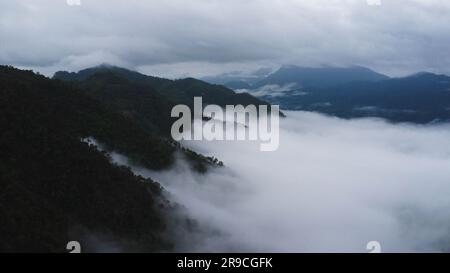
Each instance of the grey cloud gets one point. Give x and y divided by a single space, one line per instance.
397 37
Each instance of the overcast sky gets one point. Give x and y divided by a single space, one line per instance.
177 38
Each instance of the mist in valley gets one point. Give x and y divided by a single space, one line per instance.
333 185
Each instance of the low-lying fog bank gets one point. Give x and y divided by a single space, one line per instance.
333 185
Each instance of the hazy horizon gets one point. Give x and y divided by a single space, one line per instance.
176 39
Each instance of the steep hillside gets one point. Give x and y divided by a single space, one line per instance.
55 188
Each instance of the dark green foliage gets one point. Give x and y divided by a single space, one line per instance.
135 101
135 96
55 188
199 165
66 109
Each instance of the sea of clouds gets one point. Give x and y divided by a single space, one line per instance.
332 186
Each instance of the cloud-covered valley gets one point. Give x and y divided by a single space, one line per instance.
333 185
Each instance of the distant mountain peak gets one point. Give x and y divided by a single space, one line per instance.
324 76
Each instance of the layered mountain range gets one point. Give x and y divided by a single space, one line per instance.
355 92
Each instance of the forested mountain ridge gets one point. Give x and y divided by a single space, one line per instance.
53 184
150 99
54 187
